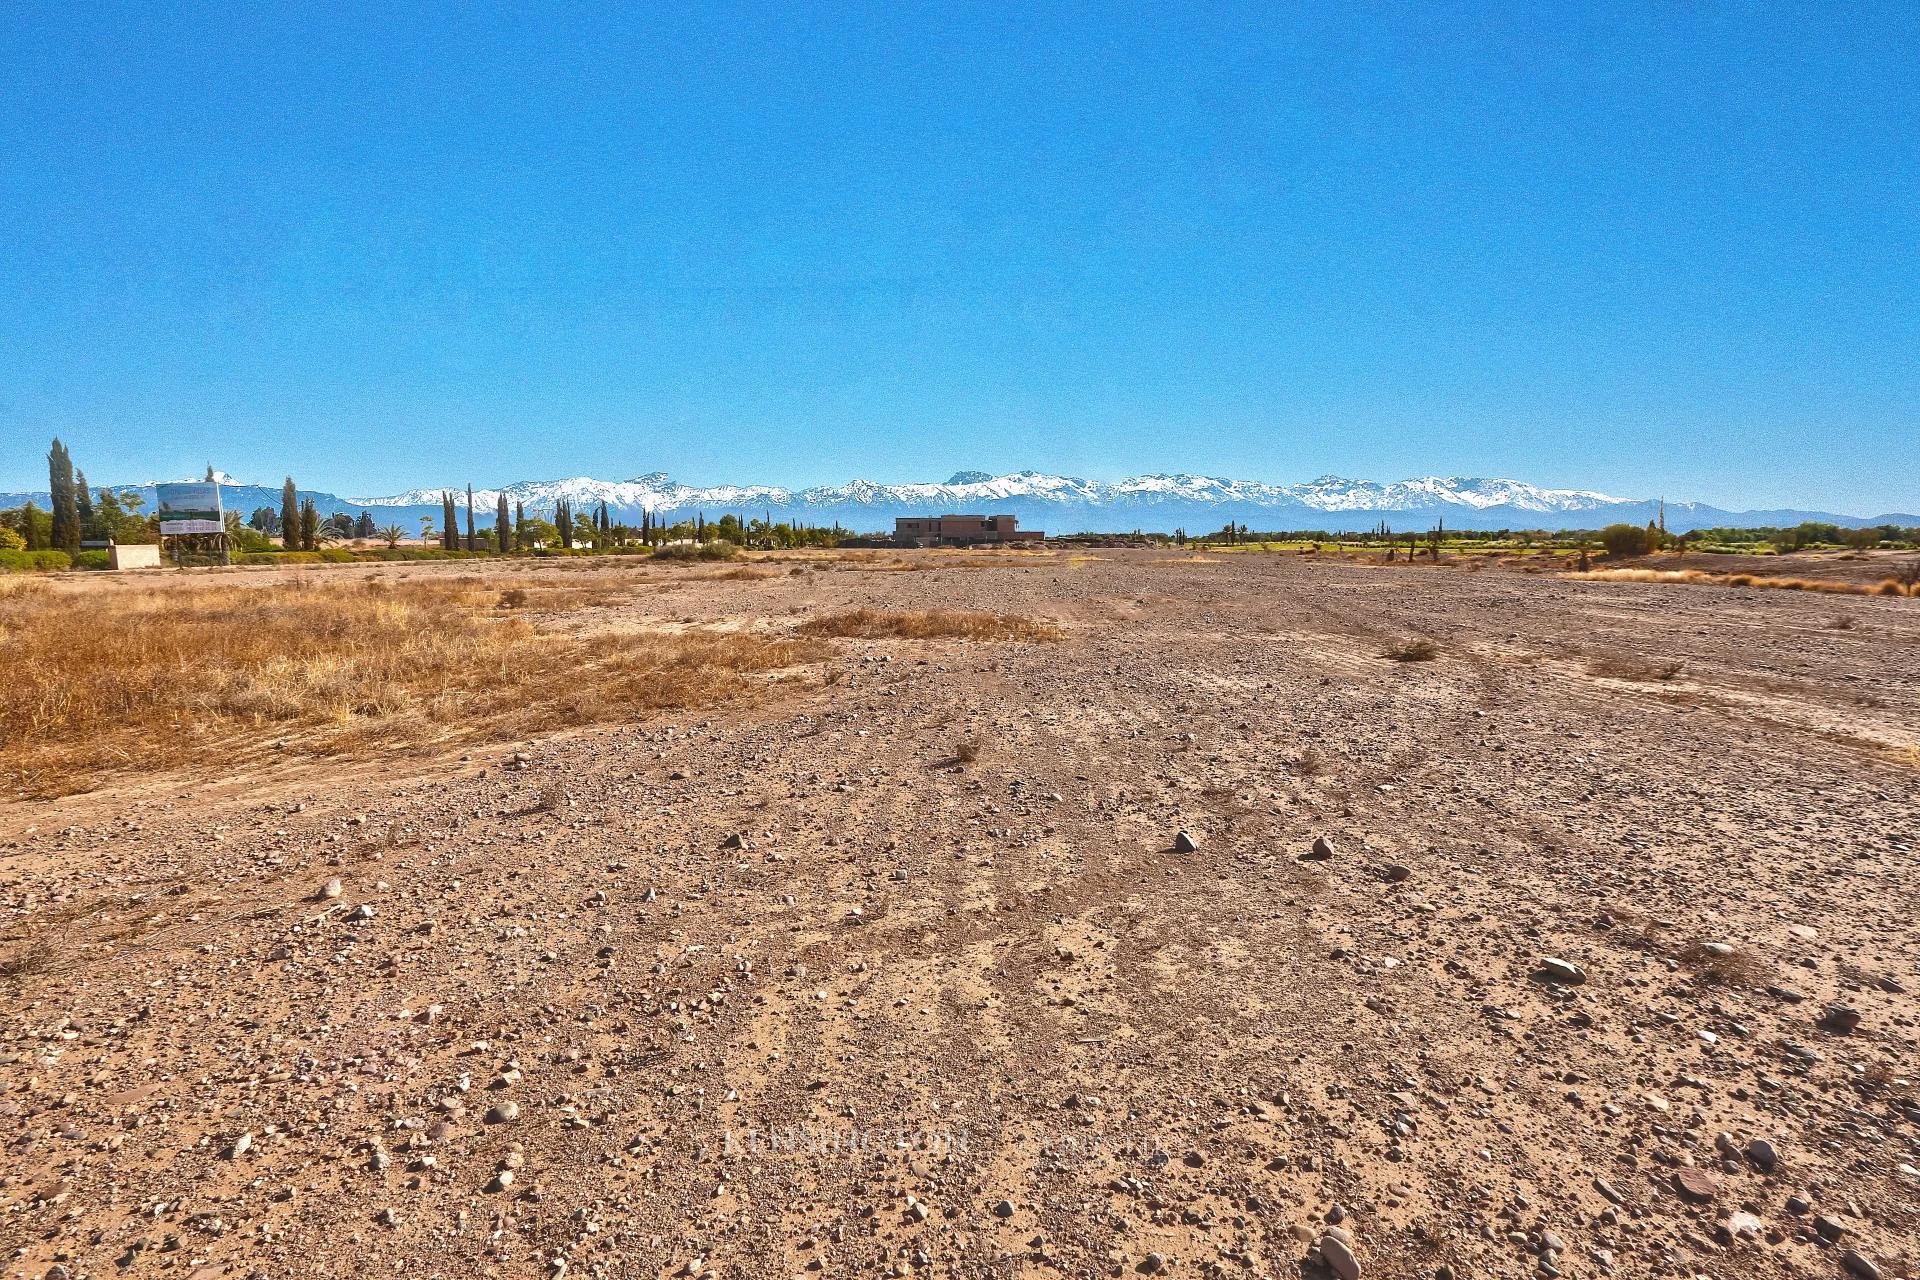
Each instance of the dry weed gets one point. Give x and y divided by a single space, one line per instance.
929 624
1420 649
1739 968
1828 586
1311 764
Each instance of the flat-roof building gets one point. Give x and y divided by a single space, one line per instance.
961 531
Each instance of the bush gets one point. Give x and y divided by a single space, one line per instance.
34 561
11 541
718 550
1624 540
91 560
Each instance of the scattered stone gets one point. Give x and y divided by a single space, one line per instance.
1321 851
1152 1265
1554 969
1003 1209
1394 873
1183 843
505 1111
1860 1265
330 890
1763 1155
1841 1019
1696 1185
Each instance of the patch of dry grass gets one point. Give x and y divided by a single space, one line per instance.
1311 764
179 673
1627 667
929 624
1737 968
1420 649
1697 577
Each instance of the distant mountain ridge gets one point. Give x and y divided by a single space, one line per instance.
1069 504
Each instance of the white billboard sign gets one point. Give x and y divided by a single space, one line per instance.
189 508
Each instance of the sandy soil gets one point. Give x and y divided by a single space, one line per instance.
790 989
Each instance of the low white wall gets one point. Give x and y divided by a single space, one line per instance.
138 555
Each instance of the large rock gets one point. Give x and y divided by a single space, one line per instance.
1339 1258
1554 969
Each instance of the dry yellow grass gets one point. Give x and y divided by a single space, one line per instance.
929 624
1885 587
165 675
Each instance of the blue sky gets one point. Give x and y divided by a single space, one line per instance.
1666 248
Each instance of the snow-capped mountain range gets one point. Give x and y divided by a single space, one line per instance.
1068 504
969 489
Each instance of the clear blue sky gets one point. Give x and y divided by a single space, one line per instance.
1667 248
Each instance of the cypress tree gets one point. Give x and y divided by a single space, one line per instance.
83 503
289 516
519 525
500 526
66 513
30 530
472 543
309 526
449 522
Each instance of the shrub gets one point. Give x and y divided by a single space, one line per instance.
91 560
697 551
11 541
34 561
1420 650
1624 540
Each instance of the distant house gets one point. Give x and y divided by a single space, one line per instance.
961 531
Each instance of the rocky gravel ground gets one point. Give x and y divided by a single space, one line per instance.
1205 941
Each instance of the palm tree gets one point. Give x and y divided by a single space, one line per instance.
393 533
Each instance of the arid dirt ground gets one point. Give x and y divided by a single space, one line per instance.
896 968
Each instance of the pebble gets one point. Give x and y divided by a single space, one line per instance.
1183 843
240 1147
1003 1209
1763 1155
506 1111
331 889
1322 850
1153 1264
